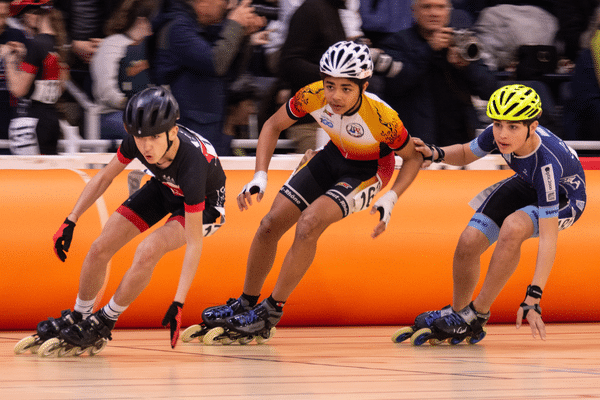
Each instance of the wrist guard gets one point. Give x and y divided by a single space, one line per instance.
441 153
535 292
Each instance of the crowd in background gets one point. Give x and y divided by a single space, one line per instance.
436 62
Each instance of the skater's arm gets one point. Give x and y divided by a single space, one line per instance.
96 187
411 163
267 141
456 154
543 266
193 250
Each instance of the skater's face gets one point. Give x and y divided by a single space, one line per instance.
342 94
153 148
515 137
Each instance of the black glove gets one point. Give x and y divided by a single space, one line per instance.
62 239
172 319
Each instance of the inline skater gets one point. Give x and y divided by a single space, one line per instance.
187 182
546 195
336 181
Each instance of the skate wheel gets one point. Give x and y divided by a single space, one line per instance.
478 338
226 341
49 348
66 352
97 347
435 342
454 341
420 336
191 333
402 334
266 336
245 340
24 344
211 335
77 351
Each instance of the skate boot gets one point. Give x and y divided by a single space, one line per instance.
420 331
257 323
91 334
47 330
464 324
214 317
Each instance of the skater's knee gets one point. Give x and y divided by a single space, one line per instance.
472 243
309 227
515 228
270 227
148 253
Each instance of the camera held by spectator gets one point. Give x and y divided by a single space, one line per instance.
263 10
467 43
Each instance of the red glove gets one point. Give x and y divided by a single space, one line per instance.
62 239
172 319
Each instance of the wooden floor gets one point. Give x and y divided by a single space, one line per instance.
316 363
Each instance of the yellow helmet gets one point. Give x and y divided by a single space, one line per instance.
514 103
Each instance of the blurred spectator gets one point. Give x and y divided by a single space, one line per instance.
351 20
278 30
119 68
431 84
34 74
573 18
197 46
381 18
314 27
582 110
7 34
502 29
241 104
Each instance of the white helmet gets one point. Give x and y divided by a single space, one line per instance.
347 60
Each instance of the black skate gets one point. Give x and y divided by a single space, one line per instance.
257 323
92 334
47 330
214 317
420 331
465 324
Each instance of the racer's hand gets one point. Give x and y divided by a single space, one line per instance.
62 239
425 151
258 184
172 319
535 321
384 205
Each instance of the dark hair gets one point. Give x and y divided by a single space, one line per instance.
126 15
359 82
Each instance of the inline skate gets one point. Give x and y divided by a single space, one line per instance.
91 335
420 331
47 330
214 317
466 324
257 323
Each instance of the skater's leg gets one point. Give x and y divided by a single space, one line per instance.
116 233
312 223
466 265
282 216
168 237
516 228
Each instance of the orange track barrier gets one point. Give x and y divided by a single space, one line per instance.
355 280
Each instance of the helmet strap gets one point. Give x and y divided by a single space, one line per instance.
169 144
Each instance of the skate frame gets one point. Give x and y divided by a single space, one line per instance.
315 363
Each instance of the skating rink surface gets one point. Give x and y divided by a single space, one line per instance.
316 363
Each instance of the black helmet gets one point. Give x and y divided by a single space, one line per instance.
151 112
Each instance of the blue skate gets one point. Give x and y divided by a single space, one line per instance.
214 317
420 331
257 323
